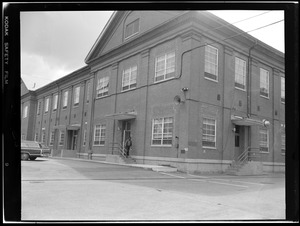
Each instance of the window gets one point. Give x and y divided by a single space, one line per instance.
51 138
36 137
209 133
132 28
76 96
39 108
129 78
55 98
84 138
25 112
282 90
283 139
165 67
102 86
264 83
65 99
88 92
99 134
211 63
43 136
240 73
61 138
264 140
47 105
162 131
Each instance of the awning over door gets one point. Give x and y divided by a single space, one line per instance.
73 127
122 116
245 121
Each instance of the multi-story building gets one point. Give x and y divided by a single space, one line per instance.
190 89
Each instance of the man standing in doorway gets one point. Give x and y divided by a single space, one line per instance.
128 144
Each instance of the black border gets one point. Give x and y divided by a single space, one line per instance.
11 122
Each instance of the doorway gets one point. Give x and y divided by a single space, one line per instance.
72 139
126 130
239 140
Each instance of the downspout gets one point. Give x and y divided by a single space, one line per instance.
115 106
249 110
93 101
82 116
56 134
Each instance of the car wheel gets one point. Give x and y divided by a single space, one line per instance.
24 156
32 158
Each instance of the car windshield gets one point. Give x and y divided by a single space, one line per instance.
29 144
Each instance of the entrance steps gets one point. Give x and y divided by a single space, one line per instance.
120 159
248 168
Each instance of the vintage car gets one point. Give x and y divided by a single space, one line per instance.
32 149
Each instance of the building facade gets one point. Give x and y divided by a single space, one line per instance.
192 92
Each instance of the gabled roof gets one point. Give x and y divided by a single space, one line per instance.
100 37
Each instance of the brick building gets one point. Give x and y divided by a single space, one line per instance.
190 95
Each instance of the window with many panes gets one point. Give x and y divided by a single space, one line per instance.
65 99
55 99
39 108
99 135
209 133
211 63
88 92
240 74
25 112
129 78
282 138
282 90
264 83
43 136
84 138
102 86
132 28
264 140
61 138
162 131
51 138
36 137
165 67
76 95
47 105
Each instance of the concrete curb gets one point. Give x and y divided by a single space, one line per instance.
155 168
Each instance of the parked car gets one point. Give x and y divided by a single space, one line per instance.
32 149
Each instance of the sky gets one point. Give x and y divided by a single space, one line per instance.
54 44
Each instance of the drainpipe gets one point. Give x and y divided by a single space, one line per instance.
249 91
82 116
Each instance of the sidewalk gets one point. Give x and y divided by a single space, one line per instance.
155 168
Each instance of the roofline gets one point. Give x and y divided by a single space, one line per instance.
100 36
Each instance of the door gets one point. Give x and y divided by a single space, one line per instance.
237 141
126 131
74 140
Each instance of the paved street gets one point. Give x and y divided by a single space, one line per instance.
62 189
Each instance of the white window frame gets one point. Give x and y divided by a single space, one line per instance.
163 72
43 136
129 78
55 101
39 108
102 87
36 136
240 73
264 144
65 99
47 105
282 90
161 123
25 112
102 134
51 140
84 138
76 96
88 92
134 31
61 138
211 63
264 83
206 135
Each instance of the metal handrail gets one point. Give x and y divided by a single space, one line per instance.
120 148
248 155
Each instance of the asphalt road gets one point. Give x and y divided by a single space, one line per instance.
75 190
